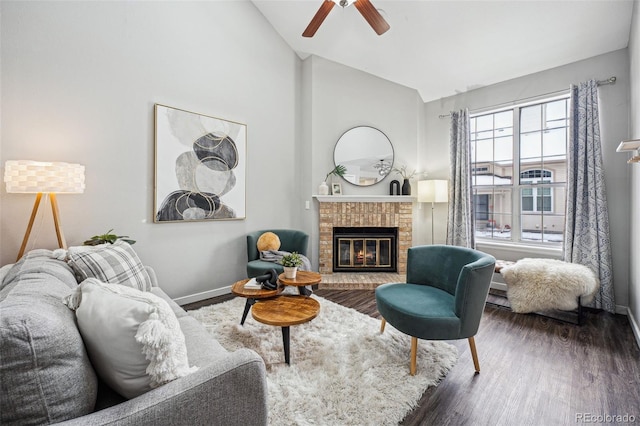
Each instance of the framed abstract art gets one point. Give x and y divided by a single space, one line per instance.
200 167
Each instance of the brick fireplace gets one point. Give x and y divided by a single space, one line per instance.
365 211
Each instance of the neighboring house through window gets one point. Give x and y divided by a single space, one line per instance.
519 166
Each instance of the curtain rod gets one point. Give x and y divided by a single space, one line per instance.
610 80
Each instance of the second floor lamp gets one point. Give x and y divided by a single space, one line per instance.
433 191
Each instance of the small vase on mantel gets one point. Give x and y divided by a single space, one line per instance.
406 187
323 189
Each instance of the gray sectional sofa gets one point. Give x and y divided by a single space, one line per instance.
46 376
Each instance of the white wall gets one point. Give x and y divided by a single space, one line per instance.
79 81
634 170
340 98
614 121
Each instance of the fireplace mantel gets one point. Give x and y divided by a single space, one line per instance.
365 198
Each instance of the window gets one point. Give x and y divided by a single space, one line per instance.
536 199
519 171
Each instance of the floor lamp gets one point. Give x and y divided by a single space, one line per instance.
35 177
433 191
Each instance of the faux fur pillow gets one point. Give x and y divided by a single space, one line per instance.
133 338
268 241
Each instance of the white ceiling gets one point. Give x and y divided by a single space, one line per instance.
441 48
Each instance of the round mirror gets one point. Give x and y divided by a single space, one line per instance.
366 153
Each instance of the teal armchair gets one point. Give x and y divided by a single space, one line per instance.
290 240
443 298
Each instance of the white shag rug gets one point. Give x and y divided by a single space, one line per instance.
343 371
544 284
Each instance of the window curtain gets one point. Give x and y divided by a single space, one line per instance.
460 223
587 238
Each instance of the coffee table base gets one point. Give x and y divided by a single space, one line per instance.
252 295
285 311
285 343
247 306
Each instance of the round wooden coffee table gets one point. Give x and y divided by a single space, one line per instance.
252 295
302 279
285 311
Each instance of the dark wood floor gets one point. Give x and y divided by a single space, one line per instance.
535 370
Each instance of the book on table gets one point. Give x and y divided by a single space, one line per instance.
252 284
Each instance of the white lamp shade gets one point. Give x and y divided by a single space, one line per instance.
26 176
433 191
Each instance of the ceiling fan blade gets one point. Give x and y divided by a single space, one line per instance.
319 17
373 17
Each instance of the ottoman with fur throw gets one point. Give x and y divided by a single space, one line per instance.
544 284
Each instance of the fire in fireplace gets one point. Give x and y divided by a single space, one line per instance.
365 249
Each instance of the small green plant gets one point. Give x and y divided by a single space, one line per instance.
338 170
107 237
291 260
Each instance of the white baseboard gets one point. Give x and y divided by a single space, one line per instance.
622 310
634 326
203 295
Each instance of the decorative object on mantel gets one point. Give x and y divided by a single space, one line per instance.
338 170
336 189
366 153
406 187
394 187
36 177
433 191
630 146
406 176
200 170
323 188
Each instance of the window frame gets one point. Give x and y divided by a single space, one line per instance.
517 182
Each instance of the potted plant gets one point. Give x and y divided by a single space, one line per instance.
290 263
107 237
338 170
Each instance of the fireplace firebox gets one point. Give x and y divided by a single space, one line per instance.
365 249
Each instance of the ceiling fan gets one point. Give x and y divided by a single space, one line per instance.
366 9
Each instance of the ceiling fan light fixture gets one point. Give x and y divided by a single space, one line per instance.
366 9
344 3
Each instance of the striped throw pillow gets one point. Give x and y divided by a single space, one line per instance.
114 263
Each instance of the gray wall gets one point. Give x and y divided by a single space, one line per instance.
634 170
614 113
79 81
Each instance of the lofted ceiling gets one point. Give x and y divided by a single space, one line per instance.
441 48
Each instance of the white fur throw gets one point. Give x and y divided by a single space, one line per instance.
543 284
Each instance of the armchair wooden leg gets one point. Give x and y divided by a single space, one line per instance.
414 353
474 354
384 322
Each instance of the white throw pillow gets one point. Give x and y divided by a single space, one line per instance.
115 263
133 338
